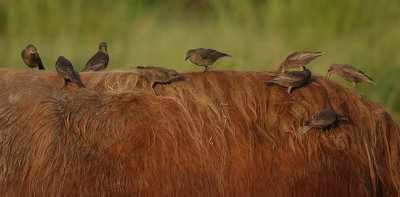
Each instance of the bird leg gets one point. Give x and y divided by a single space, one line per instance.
153 84
289 90
205 70
65 85
354 84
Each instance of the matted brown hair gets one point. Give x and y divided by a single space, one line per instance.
216 133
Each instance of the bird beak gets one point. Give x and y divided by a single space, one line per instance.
328 74
186 58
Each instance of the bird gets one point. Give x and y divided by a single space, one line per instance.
349 73
98 61
158 75
31 57
66 72
323 119
298 59
204 57
290 79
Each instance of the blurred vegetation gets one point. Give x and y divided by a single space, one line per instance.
258 34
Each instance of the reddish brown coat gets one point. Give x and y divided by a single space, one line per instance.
220 134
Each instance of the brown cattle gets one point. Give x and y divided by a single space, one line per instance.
221 133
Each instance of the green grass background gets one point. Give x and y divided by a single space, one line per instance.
258 34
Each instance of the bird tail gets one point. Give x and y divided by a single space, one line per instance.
41 67
225 55
304 129
282 66
370 80
269 82
80 84
319 54
77 80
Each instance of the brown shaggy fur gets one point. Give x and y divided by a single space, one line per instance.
217 133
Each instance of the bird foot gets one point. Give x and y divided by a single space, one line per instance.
155 93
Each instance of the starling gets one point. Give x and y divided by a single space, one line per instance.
99 61
323 119
31 57
298 59
158 75
349 73
290 79
204 57
66 72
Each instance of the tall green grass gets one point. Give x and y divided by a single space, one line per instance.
258 34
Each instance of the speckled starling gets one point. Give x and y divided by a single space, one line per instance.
323 119
31 57
66 72
99 61
298 59
349 73
158 75
290 79
204 57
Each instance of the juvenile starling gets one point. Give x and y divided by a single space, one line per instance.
349 73
204 57
290 79
31 57
99 61
66 72
298 59
323 119
158 75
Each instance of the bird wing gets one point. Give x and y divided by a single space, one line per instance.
291 77
360 75
213 54
322 119
66 70
152 71
40 64
288 79
304 55
97 61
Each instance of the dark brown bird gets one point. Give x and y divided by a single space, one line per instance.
323 119
349 73
158 75
66 72
298 59
290 79
99 61
204 57
31 57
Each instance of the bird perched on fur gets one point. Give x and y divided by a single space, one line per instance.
158 75
323 119
349 73
66 72
290 79
99 61
31 57
298 59
204 57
